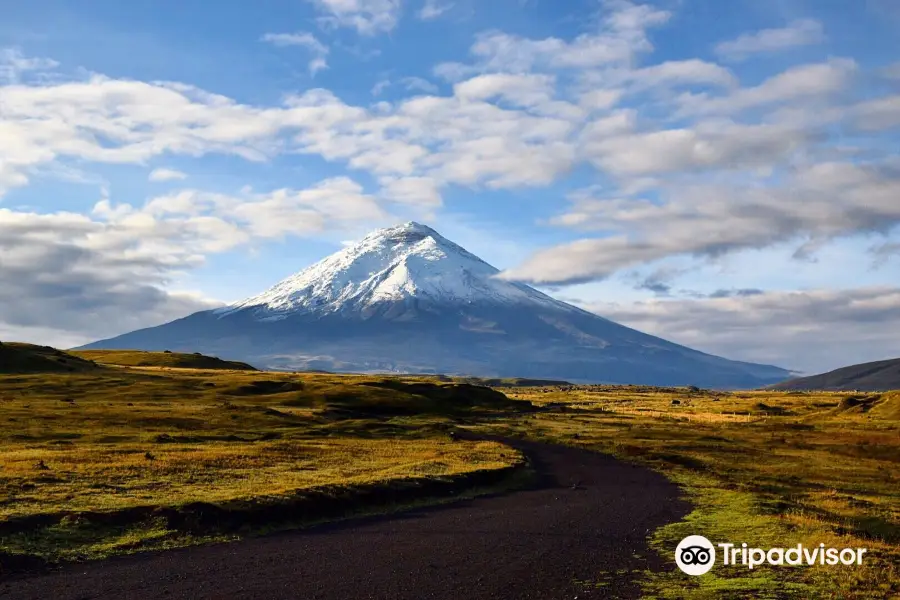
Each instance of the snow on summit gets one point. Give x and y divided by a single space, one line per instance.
409 262
407 300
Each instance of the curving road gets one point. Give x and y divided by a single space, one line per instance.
536 544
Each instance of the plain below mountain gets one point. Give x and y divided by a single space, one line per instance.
407 300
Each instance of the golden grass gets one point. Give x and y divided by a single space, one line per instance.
769 468
113 476
763 467
141 358
120 438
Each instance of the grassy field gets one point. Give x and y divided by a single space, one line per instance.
177 360
767 468
104 459
118 459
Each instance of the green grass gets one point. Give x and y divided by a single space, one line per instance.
772 469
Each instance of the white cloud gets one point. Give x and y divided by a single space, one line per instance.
329 204
222 221
380 86
612 145
813 331
595 100
454 71
818 203
163 174
432 9
13 65
120 121
802 32
368 17
802 82
524 113
621 36
410 84
74 276
418 84
477 143
305 39
517 89
417 191
679 72
879 114
65 276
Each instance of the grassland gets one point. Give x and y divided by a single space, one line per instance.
767 468
107 459
120 459
174 360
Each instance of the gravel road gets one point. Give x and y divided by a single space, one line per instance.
589 514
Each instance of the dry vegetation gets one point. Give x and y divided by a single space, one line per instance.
767 468
114 459
110 459
178 360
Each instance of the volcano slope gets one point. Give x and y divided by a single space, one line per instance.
587 514
407 300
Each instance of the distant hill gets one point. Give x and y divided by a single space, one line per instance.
18 357
172 360
877 376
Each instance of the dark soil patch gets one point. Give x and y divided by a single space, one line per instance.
265 387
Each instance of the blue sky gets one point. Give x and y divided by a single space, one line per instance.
722 174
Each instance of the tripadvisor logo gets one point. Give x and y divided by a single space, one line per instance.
696 555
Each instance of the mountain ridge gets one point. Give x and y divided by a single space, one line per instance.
405 299
876 376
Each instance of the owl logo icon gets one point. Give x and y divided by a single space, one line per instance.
695 555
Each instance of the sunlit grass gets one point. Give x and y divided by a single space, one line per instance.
77 445
772 469
112 477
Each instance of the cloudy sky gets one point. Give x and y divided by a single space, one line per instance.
723 174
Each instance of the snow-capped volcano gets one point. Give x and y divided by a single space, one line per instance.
410 262
405 299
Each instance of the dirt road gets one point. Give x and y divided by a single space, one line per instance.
536 544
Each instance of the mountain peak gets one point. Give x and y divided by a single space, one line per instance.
413 227
408 264
405 233
405 299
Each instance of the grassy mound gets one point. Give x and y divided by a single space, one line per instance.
393 397
857 404
172 360
28 358
888 407
353 397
